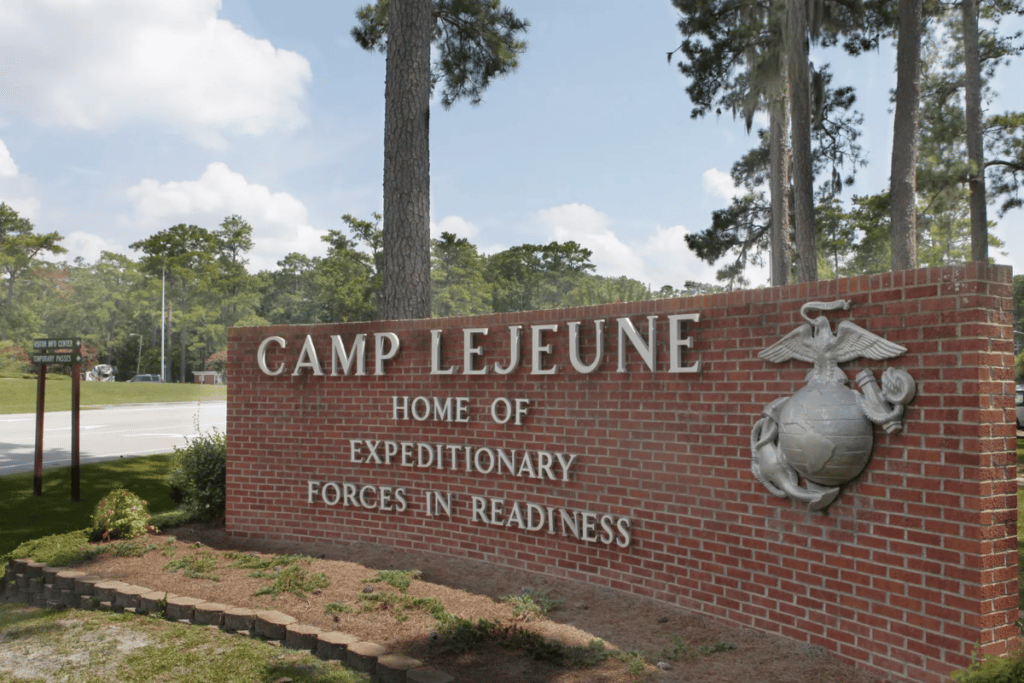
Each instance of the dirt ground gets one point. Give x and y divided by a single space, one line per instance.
475 591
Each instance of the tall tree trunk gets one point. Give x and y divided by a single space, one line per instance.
779 161
975 144
903 177
407 161
800 120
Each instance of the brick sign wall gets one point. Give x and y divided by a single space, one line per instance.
619 453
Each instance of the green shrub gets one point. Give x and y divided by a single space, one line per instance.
531 604
121 514
173 518
57 550
199 475
14 362
993 669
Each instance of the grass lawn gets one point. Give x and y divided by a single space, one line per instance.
136 649
19 395
24 517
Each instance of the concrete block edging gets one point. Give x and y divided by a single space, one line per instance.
33 583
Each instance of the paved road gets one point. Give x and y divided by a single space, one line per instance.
106 433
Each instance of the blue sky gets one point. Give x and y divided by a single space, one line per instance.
120 118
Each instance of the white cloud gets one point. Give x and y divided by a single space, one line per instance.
8 169
720 184
17 190
279 220
89 246
26 204
591 228
456 225
661 259
95 64
669 261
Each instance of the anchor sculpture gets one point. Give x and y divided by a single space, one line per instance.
823 433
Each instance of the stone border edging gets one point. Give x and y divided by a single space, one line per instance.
38 585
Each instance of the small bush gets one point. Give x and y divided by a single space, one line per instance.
294 580
199 474
992 669
336 608
531 604
121 514
396 578
173 518
58 550
198 565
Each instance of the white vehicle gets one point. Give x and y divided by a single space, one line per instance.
101 373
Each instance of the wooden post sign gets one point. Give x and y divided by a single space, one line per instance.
58 351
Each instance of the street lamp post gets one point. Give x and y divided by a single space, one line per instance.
138 361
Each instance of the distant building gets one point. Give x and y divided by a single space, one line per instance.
207 377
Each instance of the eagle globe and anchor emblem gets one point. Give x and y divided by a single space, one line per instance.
823 434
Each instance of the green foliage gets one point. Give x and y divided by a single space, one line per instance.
741 230
293 579
338 608
199 473
73 547
55 513
532 276
56 550
475 41
22 272
136 547
401 603
1009 669
173 518
198 565
458 635
679 649
531 604
286 576
14 362
457 277
397 578
715 648
635 662
121 514
254 561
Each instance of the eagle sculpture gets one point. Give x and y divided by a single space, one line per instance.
815 343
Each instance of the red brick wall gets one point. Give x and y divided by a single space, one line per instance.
910 567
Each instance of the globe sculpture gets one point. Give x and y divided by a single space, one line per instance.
808 445
823 434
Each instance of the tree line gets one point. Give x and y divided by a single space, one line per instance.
189 284
198 278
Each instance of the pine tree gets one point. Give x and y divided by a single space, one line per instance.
476 41
743 228
903 176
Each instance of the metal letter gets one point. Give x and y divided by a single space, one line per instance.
261 356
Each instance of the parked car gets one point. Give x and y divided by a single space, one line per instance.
1018 398
146 378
